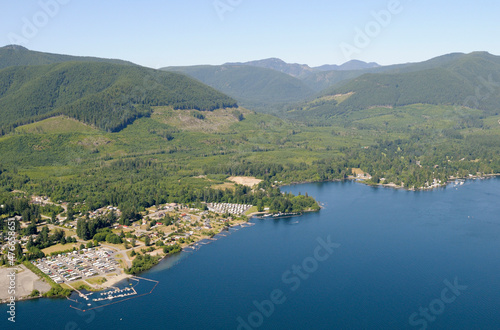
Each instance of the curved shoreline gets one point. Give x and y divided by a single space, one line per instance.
123 276
393 185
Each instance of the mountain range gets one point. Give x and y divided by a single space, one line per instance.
257 88
272 85
110 94
467 81
88 129
302 70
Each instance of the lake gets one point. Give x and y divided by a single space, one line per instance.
372 258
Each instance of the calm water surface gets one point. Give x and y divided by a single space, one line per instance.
397 260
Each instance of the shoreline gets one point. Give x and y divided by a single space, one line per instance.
393 185
110 282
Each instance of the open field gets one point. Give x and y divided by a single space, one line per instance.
251 210
68 232
58 125
97 280
223 186
59 247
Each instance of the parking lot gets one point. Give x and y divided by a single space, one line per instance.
77 265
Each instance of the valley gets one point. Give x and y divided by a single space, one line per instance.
102 137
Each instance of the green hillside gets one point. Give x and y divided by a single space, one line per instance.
317 78
175 155
14 55
468 81
256 88
437 86
174 152
325 81
328 81
276 64
108 96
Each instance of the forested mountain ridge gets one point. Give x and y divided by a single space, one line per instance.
292 69
348 66
14 55
328 81
464 80
303 70
108 96
253 87
259 85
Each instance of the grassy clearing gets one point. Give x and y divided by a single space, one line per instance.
97 280
65 286
59 248
251 210
68 232
224 186
116 246
57 125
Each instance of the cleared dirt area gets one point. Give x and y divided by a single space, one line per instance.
357 171
218 120
245 180
26 282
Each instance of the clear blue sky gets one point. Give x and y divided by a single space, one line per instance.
159 33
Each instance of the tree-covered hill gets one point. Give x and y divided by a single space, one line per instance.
108 96
468 81
257 88
327 81
292 69
14 55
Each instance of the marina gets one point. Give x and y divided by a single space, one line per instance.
131 288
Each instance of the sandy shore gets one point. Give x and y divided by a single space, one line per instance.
112 280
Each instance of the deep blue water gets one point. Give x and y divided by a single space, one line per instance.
399 251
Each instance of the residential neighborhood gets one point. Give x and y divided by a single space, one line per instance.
77 248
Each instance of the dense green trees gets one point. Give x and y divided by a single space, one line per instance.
113 238
171 249
146 185
142 263
88 228
129 215
15 55
108 96
256 88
